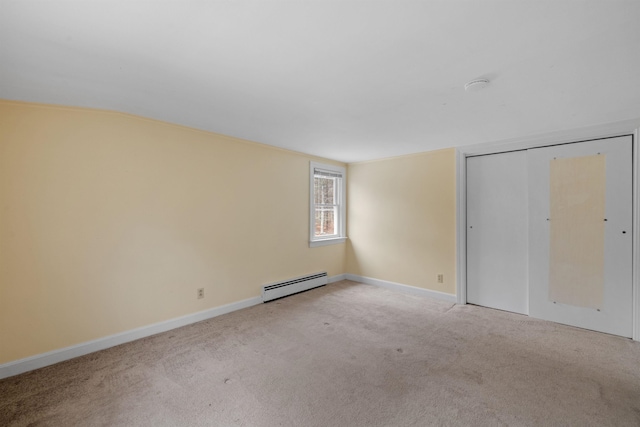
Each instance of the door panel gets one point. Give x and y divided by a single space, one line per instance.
497 233
580 236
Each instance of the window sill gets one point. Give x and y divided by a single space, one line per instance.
325 242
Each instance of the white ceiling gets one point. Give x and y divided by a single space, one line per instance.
345 79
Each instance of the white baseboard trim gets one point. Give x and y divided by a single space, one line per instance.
337 278
45 359
402 288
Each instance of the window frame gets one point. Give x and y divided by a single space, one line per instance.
340 236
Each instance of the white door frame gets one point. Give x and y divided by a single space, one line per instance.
629 127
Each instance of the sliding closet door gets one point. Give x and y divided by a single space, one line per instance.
580 217
497 231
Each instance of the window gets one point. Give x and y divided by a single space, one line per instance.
327 213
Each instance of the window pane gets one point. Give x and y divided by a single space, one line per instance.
325 203
326 222
324 193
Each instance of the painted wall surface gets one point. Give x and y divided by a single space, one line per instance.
402 220
110 222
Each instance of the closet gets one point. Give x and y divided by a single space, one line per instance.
549 233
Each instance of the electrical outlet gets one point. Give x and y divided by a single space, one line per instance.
440 278
200 293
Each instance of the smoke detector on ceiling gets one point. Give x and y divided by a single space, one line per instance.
475 85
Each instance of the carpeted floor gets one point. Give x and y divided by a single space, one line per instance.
343 355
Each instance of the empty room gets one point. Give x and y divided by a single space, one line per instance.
319 213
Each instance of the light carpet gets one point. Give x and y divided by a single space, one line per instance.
346 354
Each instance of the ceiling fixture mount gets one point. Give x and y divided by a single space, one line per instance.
475 85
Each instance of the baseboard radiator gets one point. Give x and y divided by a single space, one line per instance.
293 286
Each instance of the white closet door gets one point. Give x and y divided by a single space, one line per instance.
580 235
497 248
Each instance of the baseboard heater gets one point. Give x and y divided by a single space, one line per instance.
293 286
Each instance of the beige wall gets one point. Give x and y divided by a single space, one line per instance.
110 222
402 218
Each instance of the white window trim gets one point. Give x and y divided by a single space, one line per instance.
342 236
